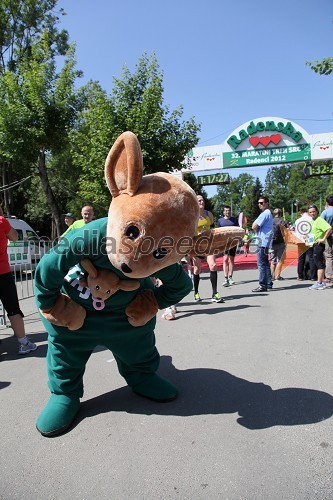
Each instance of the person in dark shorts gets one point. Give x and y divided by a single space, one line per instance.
229 255
320 231
8 292
205 222
278 245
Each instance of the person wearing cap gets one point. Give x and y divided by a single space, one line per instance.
69 218
87 213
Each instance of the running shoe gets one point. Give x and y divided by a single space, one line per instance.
317 286
231 281
217 298
226 282
259 289
26 348
197 297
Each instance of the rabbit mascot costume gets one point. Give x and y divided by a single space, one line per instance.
94 287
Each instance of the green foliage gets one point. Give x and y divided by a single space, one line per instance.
90 141
38 108
38 105
250 207
276 186
136 104
192 181
324 67
233 194
22 23
288 189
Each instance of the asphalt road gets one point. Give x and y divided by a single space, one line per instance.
252 421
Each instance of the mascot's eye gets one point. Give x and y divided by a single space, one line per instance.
160 253
132 232
97 287
108 292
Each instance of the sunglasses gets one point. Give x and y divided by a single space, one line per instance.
261 202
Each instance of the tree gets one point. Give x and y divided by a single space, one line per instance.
233 194
305 191
24 23
276 186
250 207
136 104
38 107
192 181
324 67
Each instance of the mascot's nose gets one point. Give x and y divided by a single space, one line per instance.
125 268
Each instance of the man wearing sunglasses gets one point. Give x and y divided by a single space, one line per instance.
263 228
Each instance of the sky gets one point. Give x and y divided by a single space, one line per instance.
226 62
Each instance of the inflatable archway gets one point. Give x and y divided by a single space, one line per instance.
263 141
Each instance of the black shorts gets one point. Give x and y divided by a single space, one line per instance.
231 251
318 255
8 295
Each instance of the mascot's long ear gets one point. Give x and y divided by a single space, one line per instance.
124 165
89 267
217 240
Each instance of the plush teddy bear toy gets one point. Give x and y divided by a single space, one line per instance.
151 225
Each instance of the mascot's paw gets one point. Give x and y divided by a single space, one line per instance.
65 312
58 414
142 309
156 388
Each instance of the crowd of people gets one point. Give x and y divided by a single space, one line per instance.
314 239
313 233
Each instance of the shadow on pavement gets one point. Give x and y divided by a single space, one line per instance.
4 384
204 391
216 309
9 347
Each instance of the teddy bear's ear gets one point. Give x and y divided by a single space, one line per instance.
217 240
89 267
124 165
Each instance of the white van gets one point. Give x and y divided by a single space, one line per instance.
29 248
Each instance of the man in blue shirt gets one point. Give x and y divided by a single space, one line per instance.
327 214
263 228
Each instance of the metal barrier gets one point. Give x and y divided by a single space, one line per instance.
23 259
24 280
2 315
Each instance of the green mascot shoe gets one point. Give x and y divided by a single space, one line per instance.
156 388
58 414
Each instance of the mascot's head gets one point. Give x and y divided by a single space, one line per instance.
152 219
